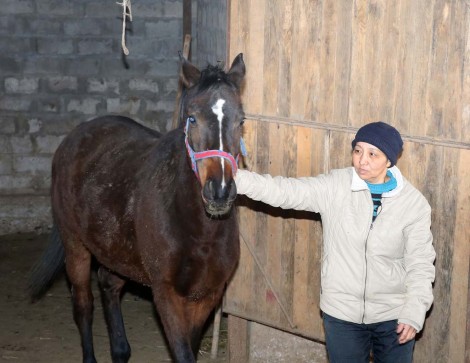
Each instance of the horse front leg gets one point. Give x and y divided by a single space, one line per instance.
183 320
111 286
78 264
170 308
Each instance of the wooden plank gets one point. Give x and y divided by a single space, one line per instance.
176 112
238 340
404 74
262 239
235 44
242 289
373 58
307 252
340 146
253 46
438 69
274 226
453 106
342 63
305 56
357 100
302 241
285 14
419 35
187 23
465 96
273 85
460 264
327 61
467 340
270 73
318 166
289 169
389 61
433 347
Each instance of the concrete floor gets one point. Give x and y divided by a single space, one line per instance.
45 331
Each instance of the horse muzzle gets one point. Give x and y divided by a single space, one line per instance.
218 200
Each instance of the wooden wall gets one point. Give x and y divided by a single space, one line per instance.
316 72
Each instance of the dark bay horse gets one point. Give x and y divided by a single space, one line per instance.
156 209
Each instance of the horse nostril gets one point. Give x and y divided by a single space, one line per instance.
215 192
218 199
210 187
232 190
209 190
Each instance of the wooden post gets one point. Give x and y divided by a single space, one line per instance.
187 21
238 340
216 332
187 24
186 51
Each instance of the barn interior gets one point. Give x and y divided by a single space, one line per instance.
316 72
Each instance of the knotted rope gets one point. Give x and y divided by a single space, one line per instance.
126 4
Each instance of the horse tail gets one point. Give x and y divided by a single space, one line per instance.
48 267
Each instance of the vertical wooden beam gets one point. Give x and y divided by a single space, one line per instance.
187 21
238 340
176 112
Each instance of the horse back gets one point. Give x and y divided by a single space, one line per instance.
94 178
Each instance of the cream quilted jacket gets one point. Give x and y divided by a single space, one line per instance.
371 272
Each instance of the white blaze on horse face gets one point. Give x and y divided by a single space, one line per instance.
217 109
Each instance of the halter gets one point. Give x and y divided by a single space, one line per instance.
195 156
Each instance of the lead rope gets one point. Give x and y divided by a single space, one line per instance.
126 4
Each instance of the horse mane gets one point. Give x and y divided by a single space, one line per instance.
212 76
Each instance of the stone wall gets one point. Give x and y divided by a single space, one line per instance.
61 64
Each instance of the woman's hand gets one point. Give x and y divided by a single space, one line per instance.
405 333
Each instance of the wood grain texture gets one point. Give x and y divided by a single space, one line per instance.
318 70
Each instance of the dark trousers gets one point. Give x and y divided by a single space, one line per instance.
352 343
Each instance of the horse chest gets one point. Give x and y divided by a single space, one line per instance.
203 270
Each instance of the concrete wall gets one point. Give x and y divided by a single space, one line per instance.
61 64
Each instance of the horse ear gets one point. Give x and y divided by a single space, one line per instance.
189 74
237 70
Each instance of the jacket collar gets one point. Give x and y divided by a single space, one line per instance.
357 184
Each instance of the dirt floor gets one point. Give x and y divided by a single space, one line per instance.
45 331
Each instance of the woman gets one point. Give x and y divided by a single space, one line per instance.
377 264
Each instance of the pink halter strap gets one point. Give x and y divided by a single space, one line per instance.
195 156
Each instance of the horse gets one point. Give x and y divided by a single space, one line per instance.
154 208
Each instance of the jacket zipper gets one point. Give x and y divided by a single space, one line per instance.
371 226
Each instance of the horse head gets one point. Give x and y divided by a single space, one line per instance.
212 113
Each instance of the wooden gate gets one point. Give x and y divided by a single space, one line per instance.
316 72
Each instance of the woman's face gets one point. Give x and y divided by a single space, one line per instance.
370 163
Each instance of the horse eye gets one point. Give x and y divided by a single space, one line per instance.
192 119
242 121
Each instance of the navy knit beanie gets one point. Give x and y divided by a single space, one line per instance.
383 136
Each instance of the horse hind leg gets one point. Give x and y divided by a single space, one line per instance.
111 285
78 267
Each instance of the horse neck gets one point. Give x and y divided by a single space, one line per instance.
175 160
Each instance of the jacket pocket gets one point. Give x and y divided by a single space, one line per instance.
387 276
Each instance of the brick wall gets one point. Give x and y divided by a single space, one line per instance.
61 64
